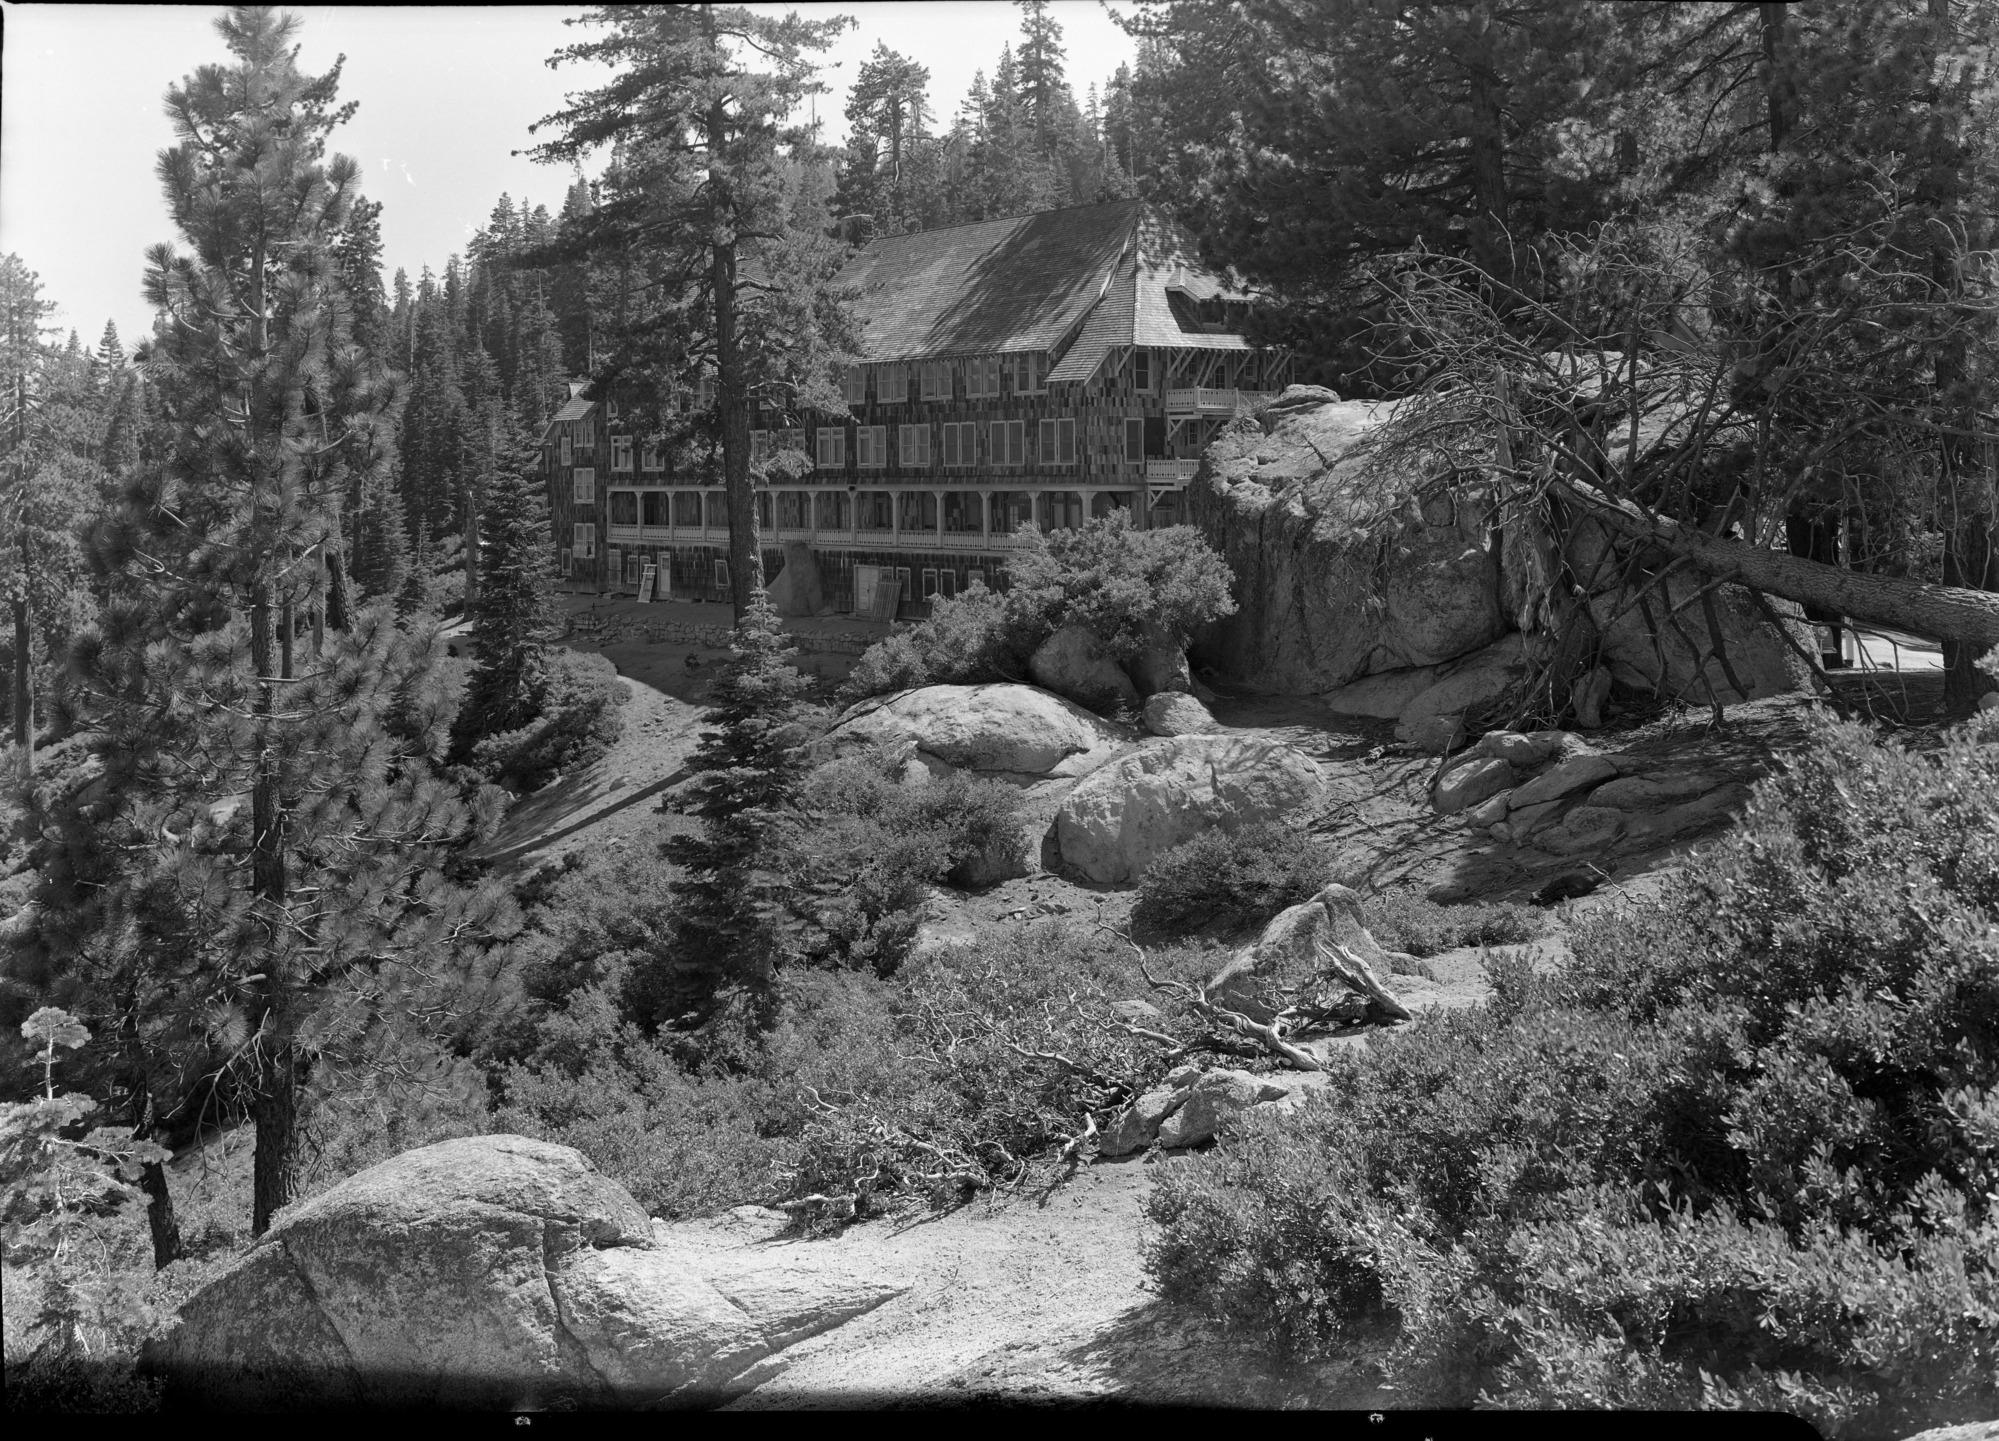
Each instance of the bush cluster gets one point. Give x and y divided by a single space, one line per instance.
1407 921
1230 881
1116 581
579 722
1744 1153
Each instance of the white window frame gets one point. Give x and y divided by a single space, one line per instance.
1134 439
704 392
1030 371
830 452
614 565
870 447
634 568
567 447
791 440
721 574
1056 444
912 447
621 452
934 380
568 562
928 580
759 446
854 385
982 377
583 537
649 458
1141 370
975 576
960 448
892 383
1006 442
583 485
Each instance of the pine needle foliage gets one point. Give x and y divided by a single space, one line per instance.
511 613
255 891
734 925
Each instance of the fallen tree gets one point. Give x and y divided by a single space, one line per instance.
1939 612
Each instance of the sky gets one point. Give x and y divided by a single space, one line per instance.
445 92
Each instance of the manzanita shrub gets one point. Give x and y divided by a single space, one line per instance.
1743 1152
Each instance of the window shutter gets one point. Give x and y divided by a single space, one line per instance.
568 453
1065 441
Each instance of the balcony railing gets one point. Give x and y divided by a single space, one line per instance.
1171 469
1213 400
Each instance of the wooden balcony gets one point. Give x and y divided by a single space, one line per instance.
1170 470
1213 400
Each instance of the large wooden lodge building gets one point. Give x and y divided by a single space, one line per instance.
1044 368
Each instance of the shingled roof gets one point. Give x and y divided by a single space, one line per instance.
1102 275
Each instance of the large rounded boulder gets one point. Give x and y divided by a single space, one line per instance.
1016 732
1124 815
494 1271
1073 662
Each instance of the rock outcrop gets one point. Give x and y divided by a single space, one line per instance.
1127 813
1389 593
1550 789
1188 1109
797 590
1160 665
1339 575
1175 713
495 1272
1074 663
1016 732
1293 953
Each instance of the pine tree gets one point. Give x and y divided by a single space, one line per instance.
510 617
886 112
734 925
715 268
266 859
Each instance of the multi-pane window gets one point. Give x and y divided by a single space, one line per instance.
854 385
982 376
790 440
613 563
568 561
935 379
832 447
892 384
621 452
912 446
649 458
1061 510
1134 440
568 452
1011 510
870 446
919 511
960 443
1006 442
1141 369
759 446
874 510
1030 371
721 575
585 488
1058 443
964 512
584 540
634 567
704 392
624 507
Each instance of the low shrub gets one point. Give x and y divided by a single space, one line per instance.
1103 575
1743 1153
1229 881
579 723
1406 921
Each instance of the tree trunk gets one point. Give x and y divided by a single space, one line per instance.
337 603
1947 613
1488 166
275 1168
732 399
1776 79
24 671
160 1217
